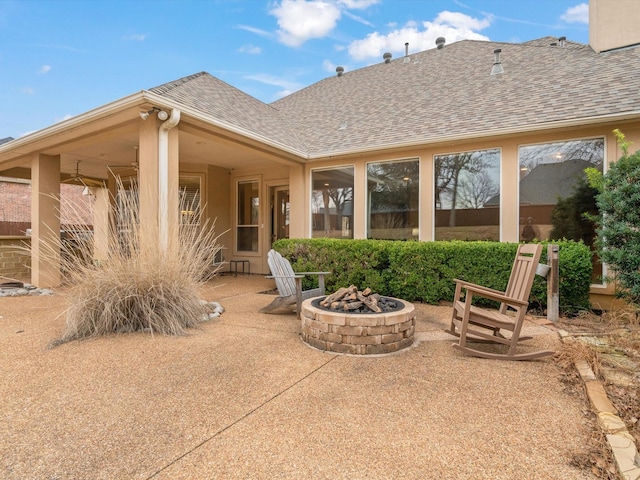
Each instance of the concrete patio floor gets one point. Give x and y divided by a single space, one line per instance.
244 397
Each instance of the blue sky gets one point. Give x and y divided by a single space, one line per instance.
61 58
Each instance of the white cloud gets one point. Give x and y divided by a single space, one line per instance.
358 4
27 90
287 86
453 26
301 20
136 37
45 69
250 49
577 14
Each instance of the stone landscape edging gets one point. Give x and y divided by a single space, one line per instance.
620 441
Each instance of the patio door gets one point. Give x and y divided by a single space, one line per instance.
280 213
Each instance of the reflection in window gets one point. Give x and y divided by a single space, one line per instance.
467 195
248 218
332 202
392 200
554 193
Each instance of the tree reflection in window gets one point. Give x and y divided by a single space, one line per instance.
555 195
393 198
467 190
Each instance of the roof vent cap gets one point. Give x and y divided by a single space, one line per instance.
339 71
497 64
562 41
387 57
440 41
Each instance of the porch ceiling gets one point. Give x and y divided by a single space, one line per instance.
116 149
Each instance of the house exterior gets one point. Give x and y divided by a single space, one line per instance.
433 145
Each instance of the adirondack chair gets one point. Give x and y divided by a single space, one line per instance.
289 284
473 324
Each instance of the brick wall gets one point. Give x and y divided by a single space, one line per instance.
15 206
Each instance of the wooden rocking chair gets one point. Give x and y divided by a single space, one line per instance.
289 284
474 324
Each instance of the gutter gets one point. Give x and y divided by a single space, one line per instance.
163 174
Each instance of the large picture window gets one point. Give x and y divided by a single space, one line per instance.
392 200
248 217
467 195
332 202
554 192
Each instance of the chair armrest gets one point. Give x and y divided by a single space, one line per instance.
494 295
465 284
285 276
313 273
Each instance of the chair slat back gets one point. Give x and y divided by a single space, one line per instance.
524 271
283 273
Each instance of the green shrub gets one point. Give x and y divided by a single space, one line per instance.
424 271
619 222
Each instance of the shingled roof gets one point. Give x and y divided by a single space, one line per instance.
432 95
225 103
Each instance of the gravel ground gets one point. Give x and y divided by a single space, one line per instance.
244 397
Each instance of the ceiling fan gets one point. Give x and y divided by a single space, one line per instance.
127 166
86 181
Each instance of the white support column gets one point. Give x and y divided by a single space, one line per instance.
45 221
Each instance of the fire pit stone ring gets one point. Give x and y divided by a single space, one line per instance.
357 334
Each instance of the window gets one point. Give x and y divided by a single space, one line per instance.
392 200
554 193
190 202
332 202
467 195
248 216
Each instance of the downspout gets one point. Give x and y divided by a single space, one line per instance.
163 180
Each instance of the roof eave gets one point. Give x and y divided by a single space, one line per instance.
194 113
136 100
74 122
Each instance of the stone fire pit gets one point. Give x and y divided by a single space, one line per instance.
341 331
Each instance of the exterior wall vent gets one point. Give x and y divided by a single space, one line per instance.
387 57
440 41
339 71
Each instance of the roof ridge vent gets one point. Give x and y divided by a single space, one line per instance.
497 64
440 41
339 71
387 57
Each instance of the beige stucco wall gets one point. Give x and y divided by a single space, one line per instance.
613 24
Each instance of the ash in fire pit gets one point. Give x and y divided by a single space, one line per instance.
352 300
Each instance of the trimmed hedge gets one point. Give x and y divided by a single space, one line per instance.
424 271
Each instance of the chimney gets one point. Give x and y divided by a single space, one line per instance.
339 71
387 57
497 64
440 42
